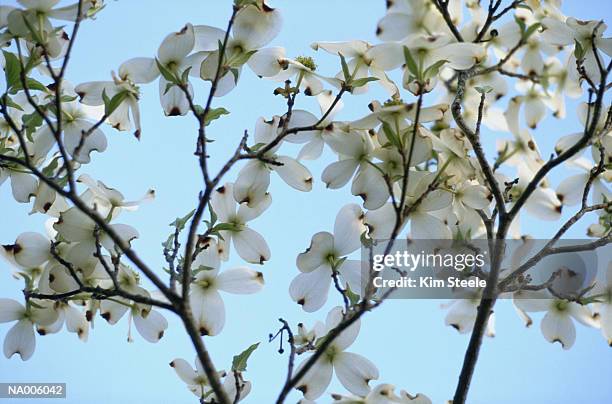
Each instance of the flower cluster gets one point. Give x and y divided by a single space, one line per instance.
416 164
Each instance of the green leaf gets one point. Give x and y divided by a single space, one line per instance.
236 74
433 70
213 216
180 222
214 114
185 75
345 69
521 25
531 30
225 226
391 135
239 363
352 296
31 84
362 82
525 6
50 169
578 50
12 69
110 105
241 59
484 89
168 87
411 64
7 101
165 72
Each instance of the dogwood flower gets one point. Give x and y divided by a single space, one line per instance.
603 309
149 323
198 383
314 146
206 302
75 321
131 72
354 149
109 201
561 33
363 61
324 256
75 124
353 370
249 244
557 324
409 17
30 249
75 226
254 178
570 190
254 27
382 394
23 184
20 339
462 315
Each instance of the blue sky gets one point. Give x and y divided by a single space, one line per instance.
407 339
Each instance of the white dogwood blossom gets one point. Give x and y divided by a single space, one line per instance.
352 370
458 145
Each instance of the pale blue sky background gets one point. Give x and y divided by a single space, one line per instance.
406 339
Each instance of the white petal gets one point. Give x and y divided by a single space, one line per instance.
255 27
558 328
139 70
184 370
427 227
294 173
337 174
346 337
207 38
461 316
174 101
348 228
310 290
242 281
370 186
460 56
76 322
321 245
112 311
251 246
252 183
222 202
20 340
380 222
74 225
386 56
209 311
570 190
544 204
315 381
152 326
534 112
475 196
90 93
176 46
312 150
23 186
31 249
354 372
267 62
73 133
10 310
